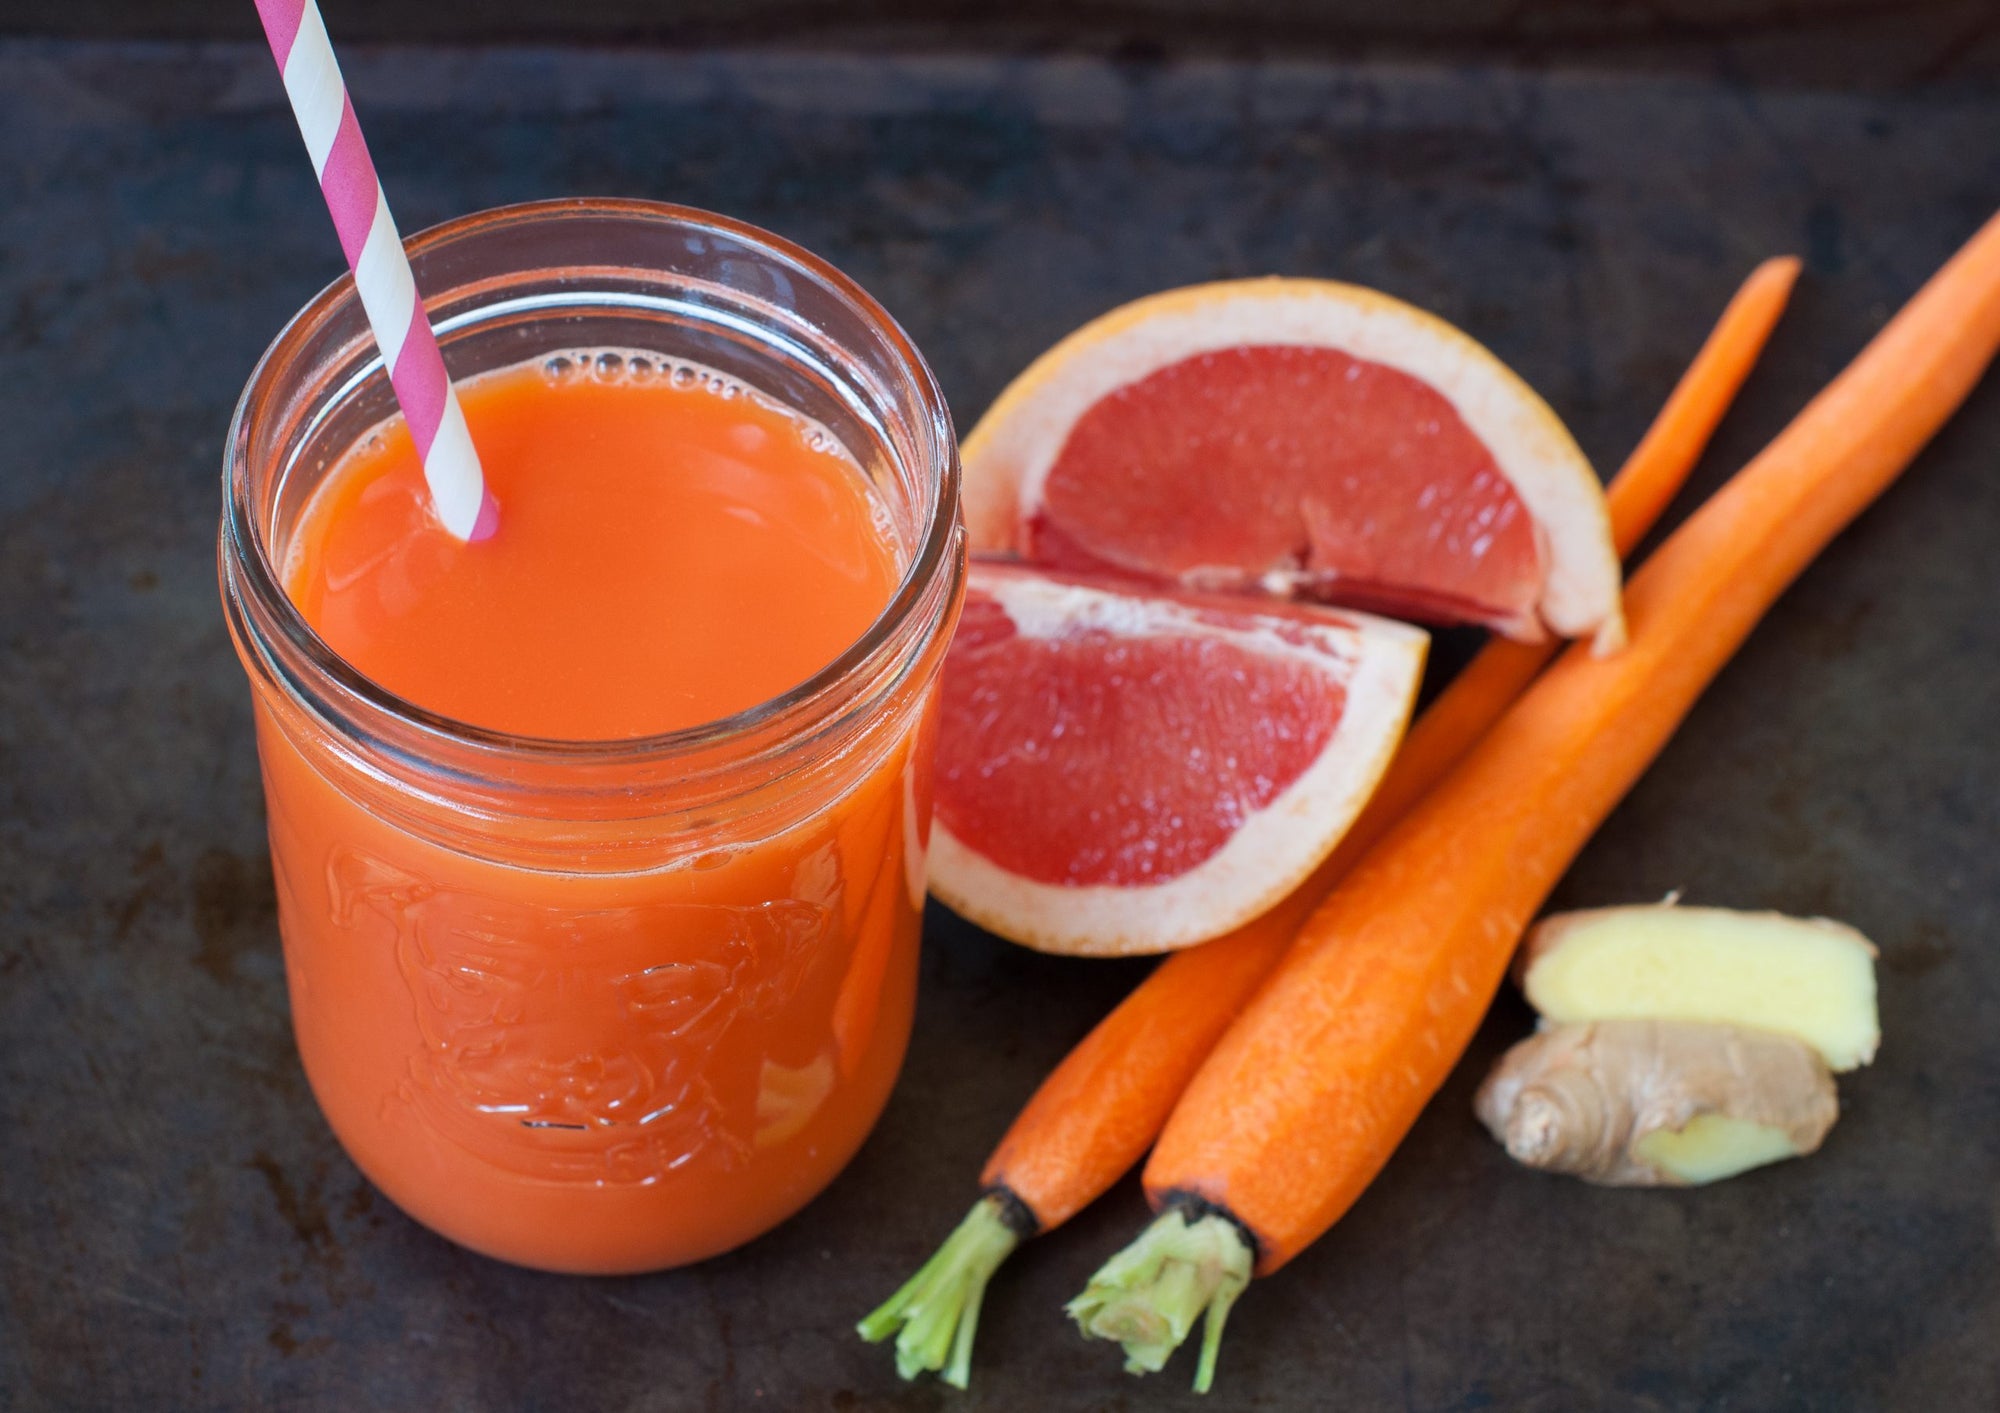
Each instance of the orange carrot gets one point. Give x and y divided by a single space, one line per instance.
1099 1110
1310 1091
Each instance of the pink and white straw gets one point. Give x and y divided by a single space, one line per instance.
381 270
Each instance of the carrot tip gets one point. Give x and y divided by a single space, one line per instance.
1148 1296
936 1313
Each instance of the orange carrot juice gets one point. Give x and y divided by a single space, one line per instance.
582 1068
674 550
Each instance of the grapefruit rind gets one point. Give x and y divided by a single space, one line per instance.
1273 850
1008 455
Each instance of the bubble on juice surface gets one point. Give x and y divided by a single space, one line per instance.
614 366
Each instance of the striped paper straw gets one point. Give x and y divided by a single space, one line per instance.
381 270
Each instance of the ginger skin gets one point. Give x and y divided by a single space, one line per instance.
1657 1103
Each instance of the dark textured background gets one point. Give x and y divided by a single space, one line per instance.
1876 43
178 1228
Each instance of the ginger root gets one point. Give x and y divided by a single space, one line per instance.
1808 978
1650 1103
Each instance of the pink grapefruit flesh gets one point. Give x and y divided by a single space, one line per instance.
1300 468
1122 769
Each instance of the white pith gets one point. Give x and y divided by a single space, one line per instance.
1378 662
1008 457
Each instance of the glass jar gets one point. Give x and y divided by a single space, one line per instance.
600 1006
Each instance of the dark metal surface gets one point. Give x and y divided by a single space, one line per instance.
1845 43
178 1228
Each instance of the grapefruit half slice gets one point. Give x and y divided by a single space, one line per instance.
1303 438
1123 769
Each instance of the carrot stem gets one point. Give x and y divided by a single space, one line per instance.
1149 1295
1099 1110
1310 1091
936 1313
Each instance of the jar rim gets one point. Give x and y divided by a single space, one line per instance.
249 570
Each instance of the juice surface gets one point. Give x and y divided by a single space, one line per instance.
672 549
599 1069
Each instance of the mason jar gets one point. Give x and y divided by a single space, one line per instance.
600 1006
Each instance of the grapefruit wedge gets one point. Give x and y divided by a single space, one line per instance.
1299 438
1125 769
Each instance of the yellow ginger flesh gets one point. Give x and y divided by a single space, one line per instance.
1809 978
